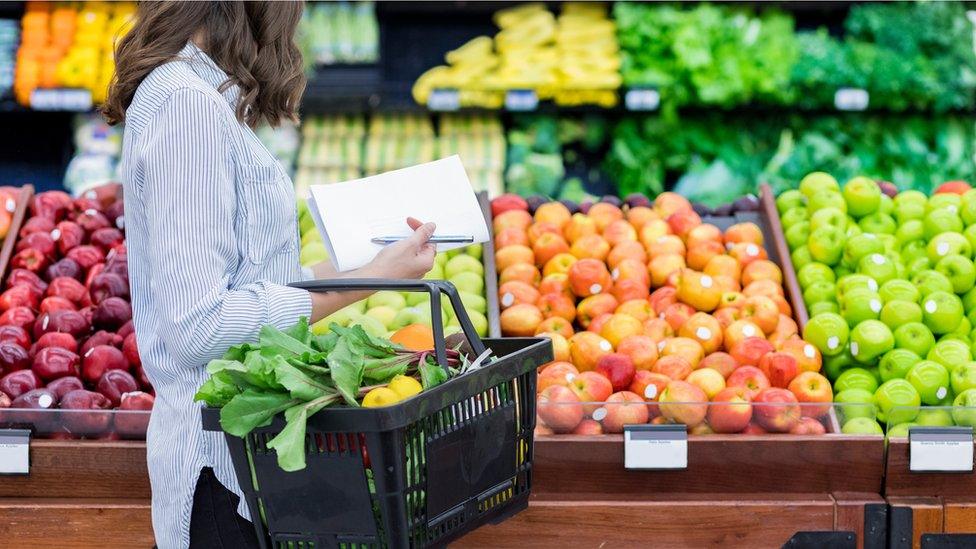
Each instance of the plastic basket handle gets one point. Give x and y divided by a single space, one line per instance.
434 287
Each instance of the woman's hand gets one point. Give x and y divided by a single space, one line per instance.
411 257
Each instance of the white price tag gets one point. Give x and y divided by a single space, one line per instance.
940 449
14 451
61 99
444 99
655 447
521 100
851 99
642 99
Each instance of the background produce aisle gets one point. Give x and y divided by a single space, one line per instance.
622 150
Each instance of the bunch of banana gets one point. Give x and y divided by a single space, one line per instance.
573 59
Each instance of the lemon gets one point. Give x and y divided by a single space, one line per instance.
380 396
405 386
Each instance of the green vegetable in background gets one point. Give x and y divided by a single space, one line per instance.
299 374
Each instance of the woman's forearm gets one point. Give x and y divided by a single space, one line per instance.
326 303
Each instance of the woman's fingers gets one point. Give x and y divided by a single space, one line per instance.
421 234
414 223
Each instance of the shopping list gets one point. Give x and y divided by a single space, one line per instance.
350 214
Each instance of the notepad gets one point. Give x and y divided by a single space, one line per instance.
350 213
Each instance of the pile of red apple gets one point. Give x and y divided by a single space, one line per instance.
655 317
66 334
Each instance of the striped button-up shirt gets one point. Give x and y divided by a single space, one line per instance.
213 239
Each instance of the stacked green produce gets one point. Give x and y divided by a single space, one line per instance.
890 286
910 55
715 158
331 151
340 32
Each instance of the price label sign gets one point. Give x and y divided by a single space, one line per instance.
940 449
64 99
444 100
14 451
642 99
851 99
521 100
655 447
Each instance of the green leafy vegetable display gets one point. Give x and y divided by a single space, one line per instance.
297 373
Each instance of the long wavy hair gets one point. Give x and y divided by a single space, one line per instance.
253 42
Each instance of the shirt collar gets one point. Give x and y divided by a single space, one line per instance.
206 69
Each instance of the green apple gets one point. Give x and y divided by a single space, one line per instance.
306 224
863 196
878 223
859 305
417 298
852 282
916 337
453 252
815 182
801 256
913 250
896 363
387 298
370 325
887 205
798 234
435 273
862 245
834 366
309 237
916 266
342 317
827 217
474 250
827 199
384 314
897 401
879 267
898 312
473 302
945 201
942 312
787 200
855 403
814 272
942 221
855 378
910 231
820 291
469 282
822 307
908 212
968 212
827 332
898 290
441 258
861 426
842 270
962 332
934 417
964 408
463 264
911 197
411 315
963 377
901 430
852 228
970 234
480 323
930 379
945 244
891 244
312 253
930 282
794 216
870 339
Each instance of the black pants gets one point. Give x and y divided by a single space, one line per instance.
214 522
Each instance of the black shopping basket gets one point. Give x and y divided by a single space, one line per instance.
416 474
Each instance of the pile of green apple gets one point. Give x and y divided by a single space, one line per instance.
888 280
385 312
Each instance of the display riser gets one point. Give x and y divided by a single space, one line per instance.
75 523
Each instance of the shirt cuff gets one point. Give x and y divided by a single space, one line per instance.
286 305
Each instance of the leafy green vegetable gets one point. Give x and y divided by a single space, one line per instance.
252 409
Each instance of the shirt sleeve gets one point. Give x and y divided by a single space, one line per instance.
190 199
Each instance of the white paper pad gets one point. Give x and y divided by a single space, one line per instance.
350 213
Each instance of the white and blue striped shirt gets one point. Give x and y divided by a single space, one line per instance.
212 237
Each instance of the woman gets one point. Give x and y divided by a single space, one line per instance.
211 229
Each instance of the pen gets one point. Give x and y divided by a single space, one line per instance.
443 239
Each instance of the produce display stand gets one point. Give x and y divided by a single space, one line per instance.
491 272
737 490
928 509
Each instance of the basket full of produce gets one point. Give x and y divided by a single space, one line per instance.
346 438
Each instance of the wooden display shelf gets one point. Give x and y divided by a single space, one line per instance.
927 504
75 523
776 240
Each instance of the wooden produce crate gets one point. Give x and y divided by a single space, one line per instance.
927 508
767 201
491 272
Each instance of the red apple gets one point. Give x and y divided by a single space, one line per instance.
776 410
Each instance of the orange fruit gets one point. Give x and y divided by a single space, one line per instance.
415 337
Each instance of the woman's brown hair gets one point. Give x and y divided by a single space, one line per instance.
253 42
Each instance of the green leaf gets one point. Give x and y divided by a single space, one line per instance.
326 342
299 331
384 369
346 365
431 375
289 444
274 342
300 384
216 391
237 352
252 409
